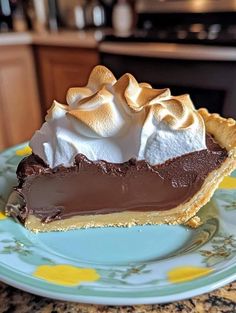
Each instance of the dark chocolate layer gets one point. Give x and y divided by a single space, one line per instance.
101 187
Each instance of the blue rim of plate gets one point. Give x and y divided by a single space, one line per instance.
143 294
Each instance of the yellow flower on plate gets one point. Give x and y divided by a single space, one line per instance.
24 151
228 183
185 273
2 216
65 274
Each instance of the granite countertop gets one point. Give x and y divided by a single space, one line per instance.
8 39
13 300
87 39
170 50
92 39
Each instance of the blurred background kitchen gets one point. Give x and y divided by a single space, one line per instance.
47 46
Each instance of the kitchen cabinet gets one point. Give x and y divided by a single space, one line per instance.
61 68
20 113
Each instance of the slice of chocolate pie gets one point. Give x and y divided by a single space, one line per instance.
119 154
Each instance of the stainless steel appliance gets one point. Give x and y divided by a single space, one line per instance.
189 48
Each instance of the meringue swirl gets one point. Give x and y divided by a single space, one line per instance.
116 120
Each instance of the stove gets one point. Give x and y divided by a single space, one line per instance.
191 49
217 29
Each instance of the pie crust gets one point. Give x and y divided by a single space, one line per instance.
224 132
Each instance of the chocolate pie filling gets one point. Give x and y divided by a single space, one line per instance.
101 187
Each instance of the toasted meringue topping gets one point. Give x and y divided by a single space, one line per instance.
115 120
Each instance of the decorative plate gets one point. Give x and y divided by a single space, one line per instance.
119 266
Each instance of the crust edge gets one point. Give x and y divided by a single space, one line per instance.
223 130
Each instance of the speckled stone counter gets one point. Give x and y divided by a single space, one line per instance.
13 300
86 39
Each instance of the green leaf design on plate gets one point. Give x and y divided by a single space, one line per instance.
119 276
135 270
24 251
36 259
231 206
15 246
227 199
222 247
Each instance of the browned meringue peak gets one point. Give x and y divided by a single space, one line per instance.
104 101
100 115
178 112
137 96
99 77
55 109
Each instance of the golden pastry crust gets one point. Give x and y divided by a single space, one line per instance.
224 132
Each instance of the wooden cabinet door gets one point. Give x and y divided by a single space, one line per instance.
61 68
20 113
3 139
